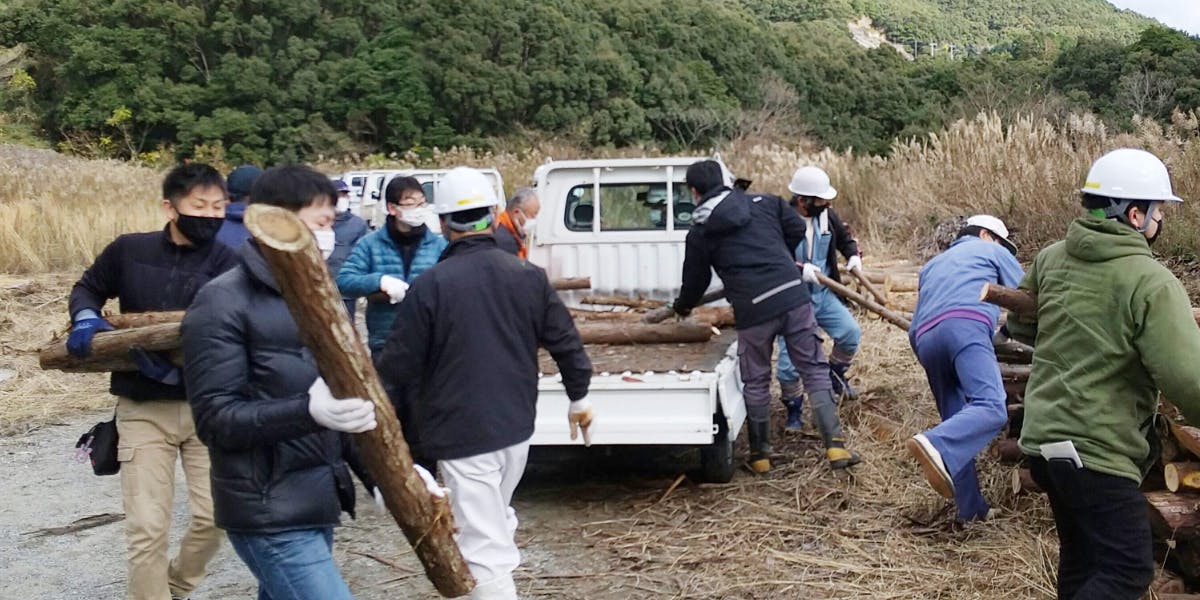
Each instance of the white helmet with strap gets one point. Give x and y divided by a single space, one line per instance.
462 189
1128 175
994 226
812 182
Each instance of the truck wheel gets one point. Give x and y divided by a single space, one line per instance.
716 459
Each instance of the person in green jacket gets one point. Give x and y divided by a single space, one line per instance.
1113 329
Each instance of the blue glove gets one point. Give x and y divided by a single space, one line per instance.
79 342
154 366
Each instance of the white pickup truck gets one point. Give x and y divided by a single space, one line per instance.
622 222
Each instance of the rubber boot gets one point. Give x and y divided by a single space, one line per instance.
841 383
794 406
760 446
825 414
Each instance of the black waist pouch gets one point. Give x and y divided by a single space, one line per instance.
100 446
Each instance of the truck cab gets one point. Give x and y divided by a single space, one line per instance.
622 223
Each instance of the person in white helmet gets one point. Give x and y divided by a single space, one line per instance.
469 331
824 232
1113 330
951 334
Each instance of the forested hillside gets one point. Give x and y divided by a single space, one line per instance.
276 80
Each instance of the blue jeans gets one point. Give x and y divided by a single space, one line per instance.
833 317
960 363
292 565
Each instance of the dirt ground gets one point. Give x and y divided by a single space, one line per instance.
595 523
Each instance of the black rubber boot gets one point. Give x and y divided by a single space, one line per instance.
794 417
825 414
760 445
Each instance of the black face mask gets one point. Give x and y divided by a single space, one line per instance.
198 230
812 209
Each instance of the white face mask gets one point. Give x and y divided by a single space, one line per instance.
325 241
416 217
529 226
343 204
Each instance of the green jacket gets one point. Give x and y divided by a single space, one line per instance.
1114 327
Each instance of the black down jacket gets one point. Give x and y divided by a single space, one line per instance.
273 467
749 241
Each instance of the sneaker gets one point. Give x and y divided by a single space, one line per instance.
932 464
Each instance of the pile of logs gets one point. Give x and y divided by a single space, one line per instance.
892 284
1172 488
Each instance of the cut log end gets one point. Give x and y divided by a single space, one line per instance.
1182 475
277 227
1023 483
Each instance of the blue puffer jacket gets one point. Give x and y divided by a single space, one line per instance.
375 256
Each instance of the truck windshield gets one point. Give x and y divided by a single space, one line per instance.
627 207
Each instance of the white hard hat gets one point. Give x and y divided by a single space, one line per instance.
812 181
463 188
994 226
1130 174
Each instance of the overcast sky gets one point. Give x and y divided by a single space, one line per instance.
1180 14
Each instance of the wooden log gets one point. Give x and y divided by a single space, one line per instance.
1174 516
900 285
1182 475
110 349
1015 372
1167 584
624 316
1187 437
622 301
659 315
344 362
1014 352
686 331
572 283
880 297
1022 482
1018 302
1008 451
720 317
849 294
875 277
131 320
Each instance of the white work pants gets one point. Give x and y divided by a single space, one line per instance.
481 488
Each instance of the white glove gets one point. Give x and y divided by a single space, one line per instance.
431 484
579 416
378 495
349 415
810 273
854 264
394 287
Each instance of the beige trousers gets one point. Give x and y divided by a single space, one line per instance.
153 435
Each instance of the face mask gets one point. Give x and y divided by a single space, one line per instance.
343 204
198 230
325 241
812 209
415 217
529 226
1150 239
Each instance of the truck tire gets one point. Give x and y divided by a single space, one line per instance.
716 459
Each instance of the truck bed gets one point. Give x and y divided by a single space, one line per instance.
659 358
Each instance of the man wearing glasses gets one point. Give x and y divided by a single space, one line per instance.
385 262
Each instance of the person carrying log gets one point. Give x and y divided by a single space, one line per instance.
749 240
389 259
1113 330
275 433
159 271
824 232
951 334
469 330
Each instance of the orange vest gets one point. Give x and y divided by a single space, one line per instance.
506 222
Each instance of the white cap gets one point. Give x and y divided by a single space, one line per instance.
994 226
812 181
